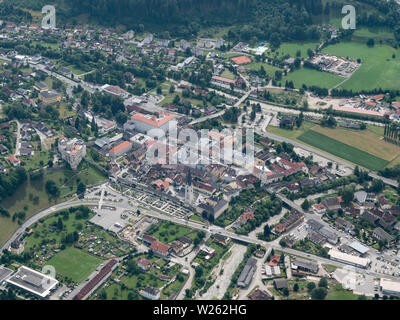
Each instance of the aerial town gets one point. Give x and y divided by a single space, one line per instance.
143 165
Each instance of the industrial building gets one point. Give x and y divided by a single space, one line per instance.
32 281
247 274
349 259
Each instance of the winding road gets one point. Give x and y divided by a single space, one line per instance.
212 230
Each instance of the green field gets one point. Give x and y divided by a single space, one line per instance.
291 48
227 74
373 32
338 293
342 150
270 70
167 231
74 264
378 69
311 77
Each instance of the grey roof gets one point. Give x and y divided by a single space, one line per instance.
331 202
314 224
247 273
41 85
330 235
359 247
151 290
369 217
49 94
102 142
308 265
383 234
360 196
4 273
280 283
64 70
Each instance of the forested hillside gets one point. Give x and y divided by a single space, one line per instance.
272 20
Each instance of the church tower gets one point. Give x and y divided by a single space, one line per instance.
189 188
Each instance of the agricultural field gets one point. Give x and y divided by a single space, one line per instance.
342 150
378 67
365 148
74 264
365 140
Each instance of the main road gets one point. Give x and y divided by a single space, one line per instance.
212 229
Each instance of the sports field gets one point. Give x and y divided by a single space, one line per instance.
378 70
342 150
74 264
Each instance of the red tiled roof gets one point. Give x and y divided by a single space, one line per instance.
121 146
159 247
13 159
154 121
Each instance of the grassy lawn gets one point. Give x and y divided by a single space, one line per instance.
311 77
74 264
338 293
167 231
342 150
373 32
46 44
329 267
34 161
227 74
75 70
267 67
196 218
378 69
291 48
65 112
291 134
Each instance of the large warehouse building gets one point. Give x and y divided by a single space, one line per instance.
35 282
349 259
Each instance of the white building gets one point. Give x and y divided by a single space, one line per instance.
72 151
390 287
33 281
150 293
349 259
